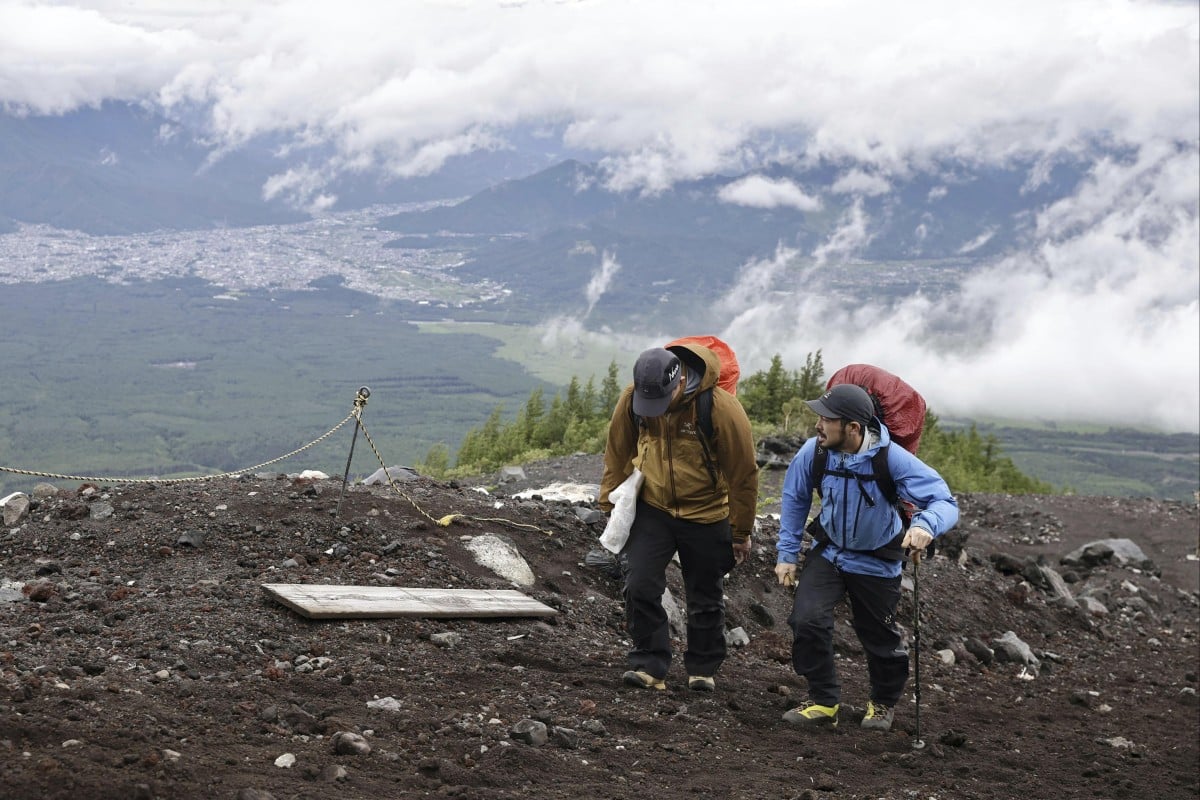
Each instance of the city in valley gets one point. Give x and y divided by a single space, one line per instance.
283 257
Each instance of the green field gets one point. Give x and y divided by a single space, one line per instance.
1097 460
555 362
161 379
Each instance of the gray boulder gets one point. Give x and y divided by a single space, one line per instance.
398 474
1118 552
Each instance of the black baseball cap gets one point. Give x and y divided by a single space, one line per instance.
845 401
655 376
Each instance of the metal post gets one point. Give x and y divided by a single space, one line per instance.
360 402
918 742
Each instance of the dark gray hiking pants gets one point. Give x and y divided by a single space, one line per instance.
819 587
705 556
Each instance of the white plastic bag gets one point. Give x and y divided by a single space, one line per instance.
624 500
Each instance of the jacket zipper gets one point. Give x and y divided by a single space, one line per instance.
845 500
669 433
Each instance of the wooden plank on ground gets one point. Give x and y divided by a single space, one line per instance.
319 601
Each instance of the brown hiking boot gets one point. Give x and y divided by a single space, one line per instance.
643 680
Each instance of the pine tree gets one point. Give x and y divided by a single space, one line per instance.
610 390
535 409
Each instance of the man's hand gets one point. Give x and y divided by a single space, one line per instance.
917 539
741 549
786 574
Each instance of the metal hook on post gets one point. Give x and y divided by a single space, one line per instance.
360 402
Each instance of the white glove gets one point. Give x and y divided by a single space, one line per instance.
916 539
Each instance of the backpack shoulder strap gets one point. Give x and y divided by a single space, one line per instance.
704 404
819 466
883 474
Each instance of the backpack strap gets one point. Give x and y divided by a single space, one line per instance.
704 404
881 473
820 462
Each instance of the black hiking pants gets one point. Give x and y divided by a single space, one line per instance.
705 556
873 600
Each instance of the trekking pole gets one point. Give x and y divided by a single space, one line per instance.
918 742
360 402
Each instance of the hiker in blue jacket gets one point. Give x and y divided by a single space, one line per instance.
858 546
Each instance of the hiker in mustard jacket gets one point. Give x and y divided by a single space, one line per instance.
698 500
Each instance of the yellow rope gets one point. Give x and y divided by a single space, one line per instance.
447 520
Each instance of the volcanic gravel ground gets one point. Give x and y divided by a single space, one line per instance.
134 664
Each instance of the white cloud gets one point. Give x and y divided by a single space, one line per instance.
1099 320
689 90
601 280
757 282
978 242
757 191
301 188
856 181
851 235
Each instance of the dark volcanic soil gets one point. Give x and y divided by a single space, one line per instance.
133 665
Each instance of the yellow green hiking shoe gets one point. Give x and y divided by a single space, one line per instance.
702 683
643 680
878 717
813 715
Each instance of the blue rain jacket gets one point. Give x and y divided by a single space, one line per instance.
854 525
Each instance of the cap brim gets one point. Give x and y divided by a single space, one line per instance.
822 409
651 406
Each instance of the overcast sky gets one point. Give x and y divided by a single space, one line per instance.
1099 319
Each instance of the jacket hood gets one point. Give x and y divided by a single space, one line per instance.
699 358
885 439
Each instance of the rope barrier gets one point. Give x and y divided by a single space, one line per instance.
94 479
360 402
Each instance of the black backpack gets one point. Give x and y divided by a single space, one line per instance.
882 475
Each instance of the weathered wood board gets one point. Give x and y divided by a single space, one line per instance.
319 601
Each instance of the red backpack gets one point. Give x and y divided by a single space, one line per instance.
898 405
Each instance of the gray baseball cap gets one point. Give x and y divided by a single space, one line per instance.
655 376
845 401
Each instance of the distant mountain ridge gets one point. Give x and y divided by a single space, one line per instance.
123 169
117 170
938 214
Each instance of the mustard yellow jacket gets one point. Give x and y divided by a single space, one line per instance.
668 452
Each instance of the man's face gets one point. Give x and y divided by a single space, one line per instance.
682 385
831 433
